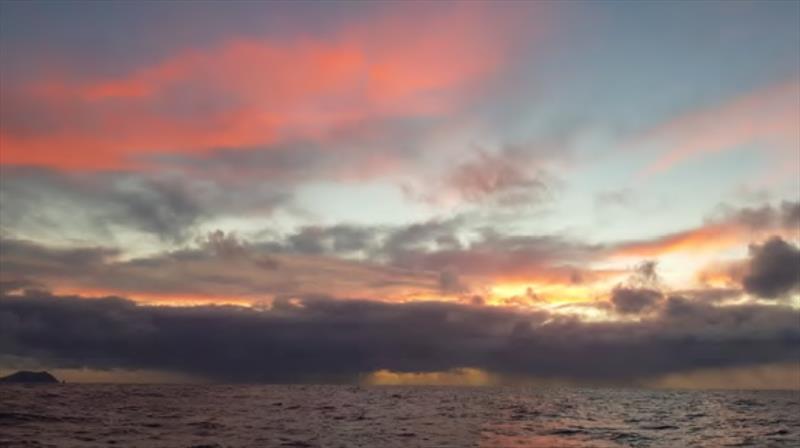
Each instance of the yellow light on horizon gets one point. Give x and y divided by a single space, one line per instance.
539 292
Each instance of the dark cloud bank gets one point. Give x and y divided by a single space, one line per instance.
774 269
323 339
314 338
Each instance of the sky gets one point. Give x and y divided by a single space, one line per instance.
402 192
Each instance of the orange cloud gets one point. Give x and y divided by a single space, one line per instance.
723 274
163 299
767 117
732 229
701 239
565 275
244 93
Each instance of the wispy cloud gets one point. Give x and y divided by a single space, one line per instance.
765 120
245 93
732 227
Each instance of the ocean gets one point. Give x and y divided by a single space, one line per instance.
83 415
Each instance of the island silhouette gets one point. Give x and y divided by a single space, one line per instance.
25 376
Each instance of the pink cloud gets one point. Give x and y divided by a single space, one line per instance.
244 93
768 118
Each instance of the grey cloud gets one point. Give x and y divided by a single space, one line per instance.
160 207
773 270
641 291
308 241
40 198
645 275
351 239
377 242
493 253
710 296
451 283
785 215
791 214
96 206
224 245
425 257
229 248
23 259
220 265
437 245
340 239
421 236
505 178
634 301
316 338
511 177
17 284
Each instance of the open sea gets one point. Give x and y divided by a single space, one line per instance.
82 415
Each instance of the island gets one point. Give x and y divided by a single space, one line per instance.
25 376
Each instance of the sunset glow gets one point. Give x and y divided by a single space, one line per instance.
326 178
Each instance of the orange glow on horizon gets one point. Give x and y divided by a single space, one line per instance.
161 299
541 293
454 377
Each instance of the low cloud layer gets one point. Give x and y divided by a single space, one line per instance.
321 339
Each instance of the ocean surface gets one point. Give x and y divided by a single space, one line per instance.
76 415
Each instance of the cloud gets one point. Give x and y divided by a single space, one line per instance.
645 275
641 292
773 270
451 247
767 117
729 227
454 258
466 258
512 176
785 215
505 179
441 234
44 203
21 259
451 283
244 93
791 214
17 284
219 269
317 338
339 239
700 239
434 258
494 254
634 301
41 198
